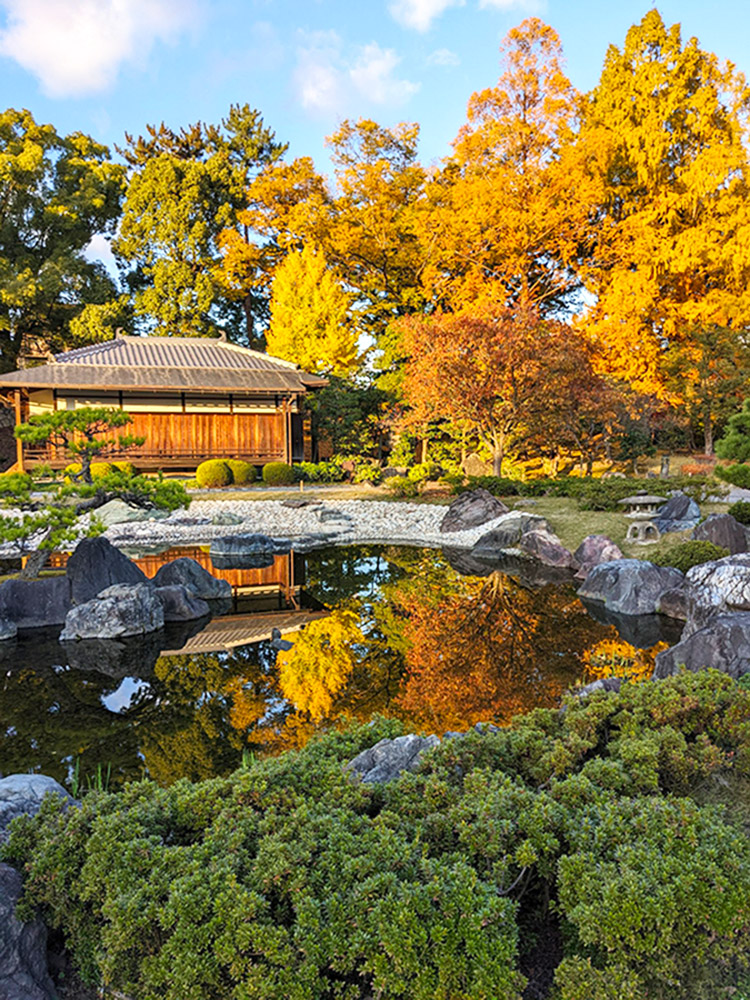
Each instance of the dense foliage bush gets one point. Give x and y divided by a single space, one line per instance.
592 494
423 472
402 486
366 472
127 468
213 474
278 474
688 554
740 511
242 472
98 469
327 471
737 475
586 832
735 444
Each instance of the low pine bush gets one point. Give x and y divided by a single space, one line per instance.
688 554
737 475
278 474
740 511
578 842
213 474
402 486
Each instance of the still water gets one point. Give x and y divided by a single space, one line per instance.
376 630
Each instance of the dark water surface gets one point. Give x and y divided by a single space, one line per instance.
393 631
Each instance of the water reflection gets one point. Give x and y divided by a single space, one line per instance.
376 630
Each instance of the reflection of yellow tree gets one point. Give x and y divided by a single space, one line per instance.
490 650
616 658
320 663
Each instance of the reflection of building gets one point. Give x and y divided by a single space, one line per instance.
192 398
226 633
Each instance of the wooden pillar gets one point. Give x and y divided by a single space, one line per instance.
19 420
290 443
285 430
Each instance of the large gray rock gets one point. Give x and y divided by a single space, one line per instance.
472 509
674 603
595 549
119 512
717 587
388 758
180 605
95 565
8 629
723 530
122 610
22 794
507 534
189 574
23 947
679 513
548 549
35 603
629 586
724 644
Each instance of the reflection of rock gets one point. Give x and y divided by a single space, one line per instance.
190 574
252 551
180 605
35 603
133 656
507 534
464 563
388 758
8 629
95 565
254 560
678 514
629 586
723 530
21 795
472 509
121 610
279 644
595 549
547 548
527 571
23 949
641 631
724 644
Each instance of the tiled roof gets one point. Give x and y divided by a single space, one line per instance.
164 363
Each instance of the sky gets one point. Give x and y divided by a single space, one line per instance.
107 67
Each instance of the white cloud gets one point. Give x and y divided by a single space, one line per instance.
76 47
419 14
328 76
99 248
443 57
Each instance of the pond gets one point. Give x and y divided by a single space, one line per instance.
375 630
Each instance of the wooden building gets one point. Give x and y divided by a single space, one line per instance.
192 398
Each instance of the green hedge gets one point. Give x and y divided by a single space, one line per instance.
242 472
688 554
579 840
737 475
278 474
740 511
592 494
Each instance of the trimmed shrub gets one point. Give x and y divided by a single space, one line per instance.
127 468
402 486
327 471
740 511
367 473
242 472
213 474
98 470
278 474
688 554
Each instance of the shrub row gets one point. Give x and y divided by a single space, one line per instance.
592 494
577 842
217 472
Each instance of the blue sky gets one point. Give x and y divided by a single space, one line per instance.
110 66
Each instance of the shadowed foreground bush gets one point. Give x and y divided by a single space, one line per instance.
577 847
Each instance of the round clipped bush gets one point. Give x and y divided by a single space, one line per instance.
242 472
98 469
213 474
278 474
740 511
127 468
688 554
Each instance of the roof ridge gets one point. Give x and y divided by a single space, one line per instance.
258 354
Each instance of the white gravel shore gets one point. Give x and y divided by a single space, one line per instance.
335 522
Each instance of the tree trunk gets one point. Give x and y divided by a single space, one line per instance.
35 563
708 435
497 461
